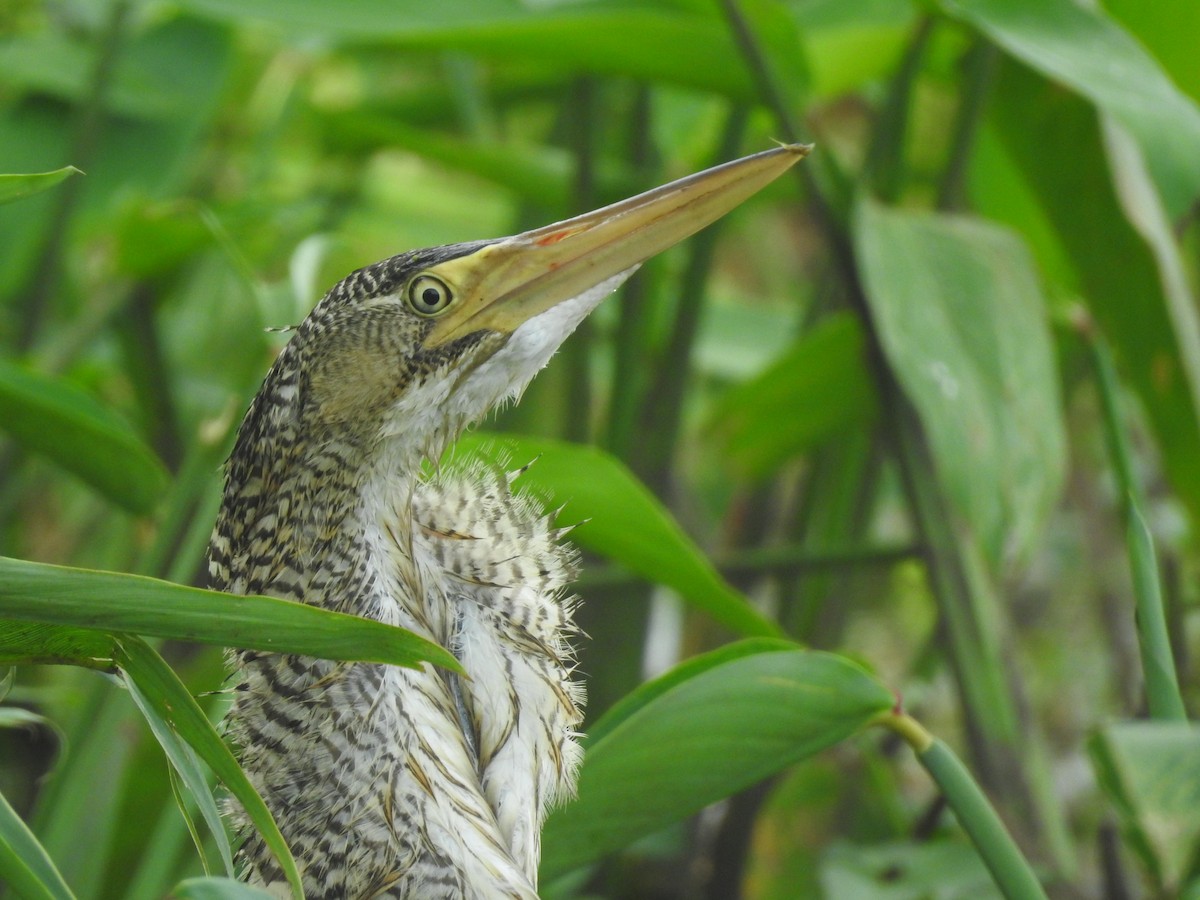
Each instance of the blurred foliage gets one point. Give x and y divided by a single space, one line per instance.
875 396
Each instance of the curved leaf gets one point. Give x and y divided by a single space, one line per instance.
24 864
623 521
705 738
111 601
54 418
1082 47
14 187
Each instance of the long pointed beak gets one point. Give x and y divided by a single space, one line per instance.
506 283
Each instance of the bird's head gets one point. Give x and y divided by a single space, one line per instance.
422 344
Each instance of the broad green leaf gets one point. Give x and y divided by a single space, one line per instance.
1052 141
1080 46
624 521
906 870
705 738
52 417
14 187
818 388
1151 774
690 668
111 601
24 865
962 321
653 42
159 687
217 889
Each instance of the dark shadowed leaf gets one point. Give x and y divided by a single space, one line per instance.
52 417
704 738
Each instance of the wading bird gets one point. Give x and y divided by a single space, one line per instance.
390 782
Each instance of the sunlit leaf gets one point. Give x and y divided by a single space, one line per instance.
52 417
14 187
624 521
111 601
962 320
705 738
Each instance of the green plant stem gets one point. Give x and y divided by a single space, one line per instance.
664 405
1009 868
46 274
1158 661
884 167
24 863
962 587
980 67
630 343
583 134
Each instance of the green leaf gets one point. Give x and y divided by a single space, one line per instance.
1051 138
14 187
217 889
705 738
1081 47
111 601
1151 774
818 388
659 43
52 417
905 870
24 865
962 321
176 710
180 755
624 521
34 642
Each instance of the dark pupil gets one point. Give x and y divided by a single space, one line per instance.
431 296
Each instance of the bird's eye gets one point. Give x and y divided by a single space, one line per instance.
429 296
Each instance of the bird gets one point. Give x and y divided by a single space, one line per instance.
424 783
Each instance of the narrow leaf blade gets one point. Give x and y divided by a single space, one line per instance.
111 601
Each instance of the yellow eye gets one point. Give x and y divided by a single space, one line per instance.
429 296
